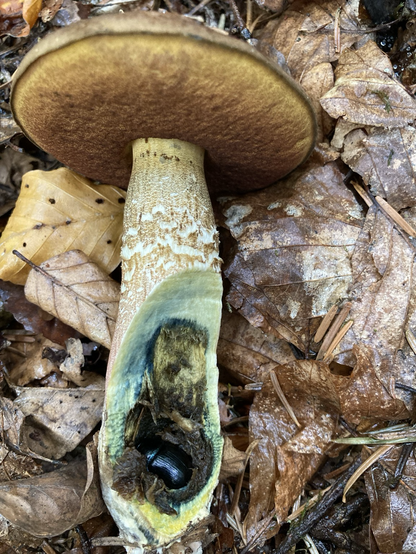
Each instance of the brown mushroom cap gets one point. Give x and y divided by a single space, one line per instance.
85 92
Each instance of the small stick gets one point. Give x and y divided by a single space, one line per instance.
306 505
362 193
58 283
19 338
307 521
283 398
334 330
396 217
198 7
325 323
245 33
237 492
337 340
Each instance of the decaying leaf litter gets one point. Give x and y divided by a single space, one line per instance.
291 253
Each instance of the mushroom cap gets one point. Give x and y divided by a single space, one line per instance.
85 92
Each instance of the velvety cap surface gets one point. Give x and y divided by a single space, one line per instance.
85 92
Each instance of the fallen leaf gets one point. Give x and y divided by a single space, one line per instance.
78 292
294 243
31 317
57 420
287 457
52 503
383 307
366 395
71 367
247 352
30 11
392 509
8 128
33 366
11 420
233 460
58 211
17 466
18 16
366 92
305 35
386 160
50 9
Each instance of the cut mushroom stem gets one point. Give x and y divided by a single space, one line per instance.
163 357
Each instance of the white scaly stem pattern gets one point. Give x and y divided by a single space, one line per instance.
169 224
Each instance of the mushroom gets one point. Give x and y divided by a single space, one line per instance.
154 102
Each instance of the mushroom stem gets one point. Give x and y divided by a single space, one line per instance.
169 224
161 393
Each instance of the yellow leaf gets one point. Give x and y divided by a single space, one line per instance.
30 11
59 211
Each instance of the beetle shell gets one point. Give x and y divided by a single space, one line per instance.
168 461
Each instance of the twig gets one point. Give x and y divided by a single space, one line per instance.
84 539
245 33
58 283
306 521
198 7
362 193
337 31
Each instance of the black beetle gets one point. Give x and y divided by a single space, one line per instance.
168 461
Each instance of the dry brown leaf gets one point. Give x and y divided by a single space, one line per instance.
52 503
31 317
305 36
57 420
366 393
386 160
17 466
287 457
392 509
33 366
316 82
18 16
30 11
305 33
294 242
71 367
248 352
233 460
366 92
11 421
384 306
58 211
78 292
